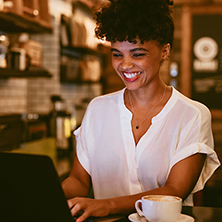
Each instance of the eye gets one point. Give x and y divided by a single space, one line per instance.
139 55
117 55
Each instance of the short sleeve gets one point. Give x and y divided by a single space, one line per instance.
210 165
81 153
197 137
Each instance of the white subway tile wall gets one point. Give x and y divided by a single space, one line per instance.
32 95
13 95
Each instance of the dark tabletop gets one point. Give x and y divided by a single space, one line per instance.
200 214
204 214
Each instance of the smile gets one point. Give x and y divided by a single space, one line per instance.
131 75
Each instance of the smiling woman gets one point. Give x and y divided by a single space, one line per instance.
136 61
146 138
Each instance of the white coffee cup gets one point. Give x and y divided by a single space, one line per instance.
159 207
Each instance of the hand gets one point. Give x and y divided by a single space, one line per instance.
89 207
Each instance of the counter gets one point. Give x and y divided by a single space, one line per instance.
47 146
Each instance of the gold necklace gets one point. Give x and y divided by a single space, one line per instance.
131 104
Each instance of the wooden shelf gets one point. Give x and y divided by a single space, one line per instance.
78 52
8 73
12 23
80 82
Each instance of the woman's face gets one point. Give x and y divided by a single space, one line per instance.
138 64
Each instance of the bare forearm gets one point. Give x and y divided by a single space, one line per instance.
72 187
125 205
187 170
119 205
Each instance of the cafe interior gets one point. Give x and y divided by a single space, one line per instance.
52 66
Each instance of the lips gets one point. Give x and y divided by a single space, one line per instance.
131 76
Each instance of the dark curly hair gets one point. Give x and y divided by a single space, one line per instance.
121 20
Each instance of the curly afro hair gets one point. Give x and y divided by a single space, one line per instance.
121 20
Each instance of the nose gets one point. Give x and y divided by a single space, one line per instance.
127 63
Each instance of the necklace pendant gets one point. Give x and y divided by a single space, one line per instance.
137 127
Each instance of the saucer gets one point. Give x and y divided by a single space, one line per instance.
182 218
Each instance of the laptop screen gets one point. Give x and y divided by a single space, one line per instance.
30 190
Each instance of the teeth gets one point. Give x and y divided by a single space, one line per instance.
131 75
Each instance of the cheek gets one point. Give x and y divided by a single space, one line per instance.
154 62
145 65
114 64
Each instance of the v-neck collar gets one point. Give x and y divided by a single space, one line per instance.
126 117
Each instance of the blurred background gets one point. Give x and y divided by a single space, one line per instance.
51 66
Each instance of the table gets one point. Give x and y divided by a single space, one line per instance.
200 214
204 214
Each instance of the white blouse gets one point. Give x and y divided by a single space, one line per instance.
107 151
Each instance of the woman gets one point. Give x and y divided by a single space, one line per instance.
147 138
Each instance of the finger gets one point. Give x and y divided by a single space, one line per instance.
75 209
70 204
83 217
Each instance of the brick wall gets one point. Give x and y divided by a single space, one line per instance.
21 95
13 95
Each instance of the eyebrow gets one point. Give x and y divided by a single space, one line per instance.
132 50
114 50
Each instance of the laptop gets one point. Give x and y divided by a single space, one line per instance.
30 190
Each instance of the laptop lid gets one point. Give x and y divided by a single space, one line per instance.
30 190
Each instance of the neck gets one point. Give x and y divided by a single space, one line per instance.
159 101
146 98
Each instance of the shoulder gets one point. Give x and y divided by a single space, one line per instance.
102 107
106 100
191 105
198 106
